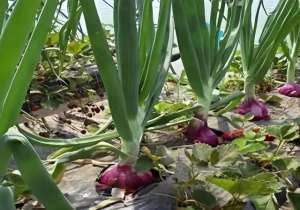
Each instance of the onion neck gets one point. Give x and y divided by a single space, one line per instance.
291 71
205 102
132 149
249 89
202 114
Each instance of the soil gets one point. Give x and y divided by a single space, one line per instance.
78 182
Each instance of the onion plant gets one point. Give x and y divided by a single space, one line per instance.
22 35
291 49
206 57
259 49
134 83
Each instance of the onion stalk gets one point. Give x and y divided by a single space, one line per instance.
290 47
206 56
259 50
134 84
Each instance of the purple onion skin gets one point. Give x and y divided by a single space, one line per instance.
125 177
290 89
199 132
255 107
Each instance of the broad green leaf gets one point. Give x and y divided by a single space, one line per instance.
264 202
75 47
204 198
288 163
219 156
253 147
227 154
246 169
227 184
202 152
144 163
260 184
283 132
214 157
251 142
169 107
